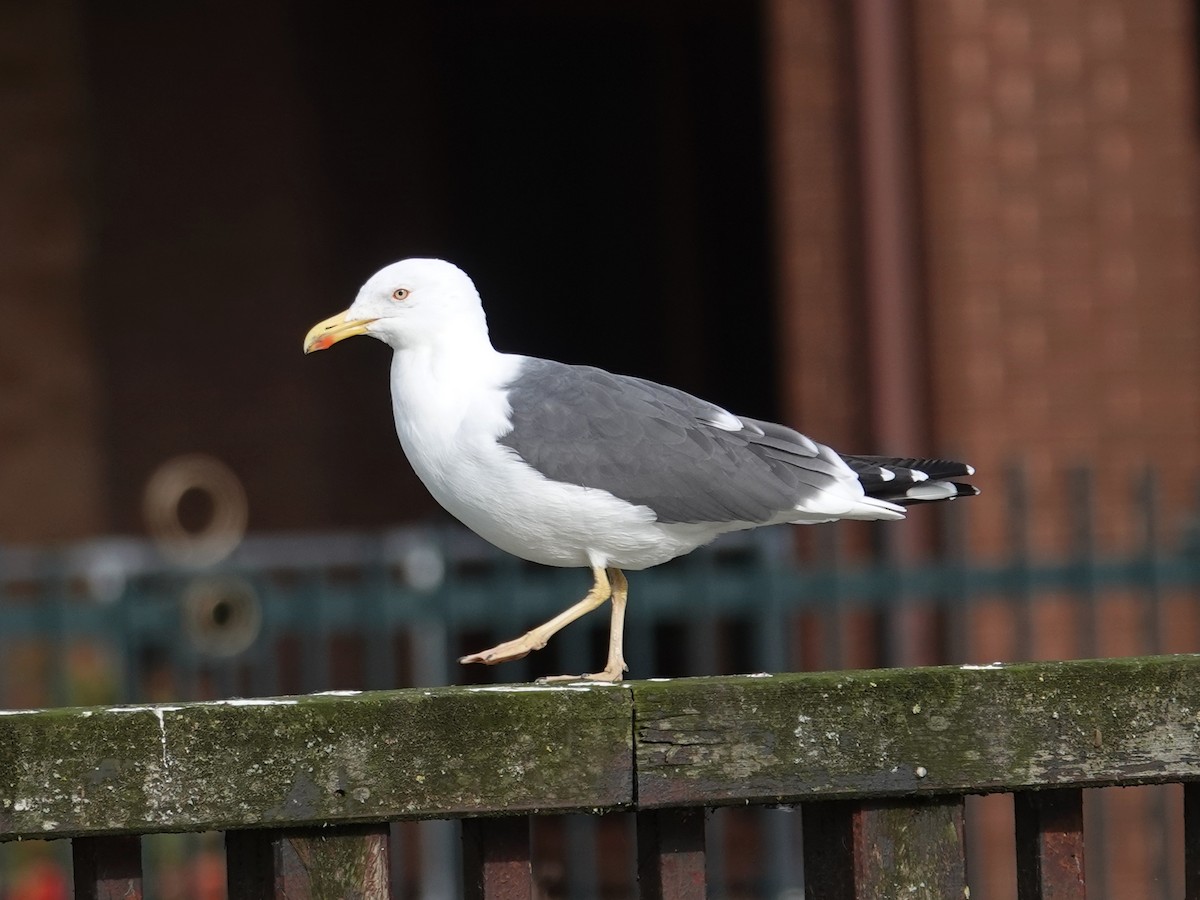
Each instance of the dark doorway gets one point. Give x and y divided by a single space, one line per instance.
599 170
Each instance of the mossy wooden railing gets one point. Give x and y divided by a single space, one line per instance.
878 760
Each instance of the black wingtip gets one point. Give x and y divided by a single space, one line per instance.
909 480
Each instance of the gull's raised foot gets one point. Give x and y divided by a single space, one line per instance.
506 652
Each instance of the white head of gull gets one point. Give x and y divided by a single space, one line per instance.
570 465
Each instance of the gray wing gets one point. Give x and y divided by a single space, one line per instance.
655 446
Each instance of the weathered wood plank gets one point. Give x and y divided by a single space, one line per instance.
311 760
1049 826
350 862
917 731
671 854
496 859
291 762
108 867
863 849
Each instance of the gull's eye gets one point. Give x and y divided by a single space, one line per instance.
400 294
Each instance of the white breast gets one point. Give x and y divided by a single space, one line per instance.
449 414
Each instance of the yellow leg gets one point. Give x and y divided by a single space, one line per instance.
535 639
615 668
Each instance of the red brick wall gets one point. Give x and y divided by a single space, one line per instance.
813 172
1059 157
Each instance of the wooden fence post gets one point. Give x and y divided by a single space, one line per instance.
1049 827
496 859
855 850
349 861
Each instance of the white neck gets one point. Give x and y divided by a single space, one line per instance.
438 385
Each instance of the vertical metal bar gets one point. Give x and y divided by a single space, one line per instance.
886 149
1081 500
1153 627
893 848
829 849
496 859
316 674
956 599
1191 840
107 868
60 619
583 880
700 628
833 614
440 846
1049 826
891 231
123 639
671 854
770 621
264 653
1019 555
396 868
640 623
1146 498
250 864
308 864
375 626
778 836
429 640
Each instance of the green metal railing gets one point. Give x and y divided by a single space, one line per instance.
110 621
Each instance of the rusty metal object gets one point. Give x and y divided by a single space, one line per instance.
221 616
161 506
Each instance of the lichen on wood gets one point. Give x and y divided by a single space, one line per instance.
918 731
310 760
302 761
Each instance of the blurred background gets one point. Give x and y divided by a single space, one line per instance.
964 228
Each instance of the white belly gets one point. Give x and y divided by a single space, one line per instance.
522 512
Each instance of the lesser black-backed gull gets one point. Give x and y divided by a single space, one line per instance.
573 466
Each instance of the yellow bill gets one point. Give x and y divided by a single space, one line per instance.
325 334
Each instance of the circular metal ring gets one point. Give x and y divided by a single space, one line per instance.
164 493
221 616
